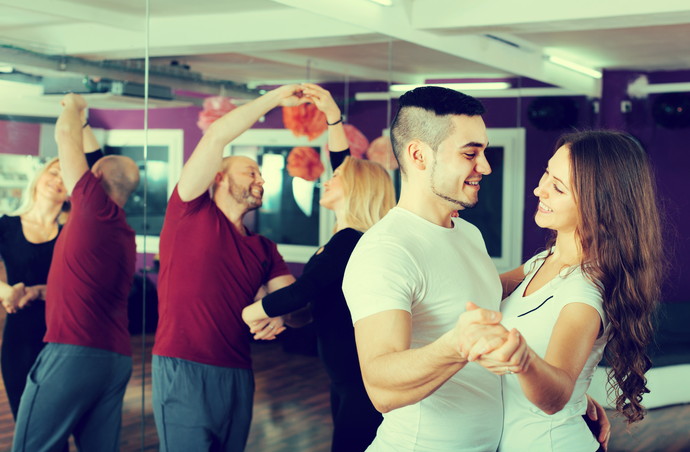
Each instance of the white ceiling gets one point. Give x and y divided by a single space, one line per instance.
257 42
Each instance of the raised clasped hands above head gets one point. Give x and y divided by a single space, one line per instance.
75 101
297 94
479 337
323 100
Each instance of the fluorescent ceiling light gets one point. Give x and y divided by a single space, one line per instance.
383 2
6 68
575 67
457 86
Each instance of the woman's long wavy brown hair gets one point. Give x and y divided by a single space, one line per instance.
620 233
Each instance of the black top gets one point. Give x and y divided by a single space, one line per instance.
93 156
321 286
25 261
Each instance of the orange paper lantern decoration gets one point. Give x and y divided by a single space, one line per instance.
214 108
304 162
305 120
356 141
381 152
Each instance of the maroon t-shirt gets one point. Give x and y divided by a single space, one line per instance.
208 273
91 273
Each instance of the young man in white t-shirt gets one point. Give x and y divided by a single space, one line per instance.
409 282
410 277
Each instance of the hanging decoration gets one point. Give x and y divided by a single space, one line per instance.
214 108
304 162
305 120
356 140
381 152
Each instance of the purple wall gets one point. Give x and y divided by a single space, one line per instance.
19 137
669 152
183 118
667 148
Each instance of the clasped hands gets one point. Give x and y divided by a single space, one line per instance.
479 337
261 325
302 93
18 296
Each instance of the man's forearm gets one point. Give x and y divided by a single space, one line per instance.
401 378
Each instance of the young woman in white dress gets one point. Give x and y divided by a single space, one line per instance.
591 293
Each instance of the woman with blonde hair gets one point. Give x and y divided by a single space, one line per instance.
27 238
360 193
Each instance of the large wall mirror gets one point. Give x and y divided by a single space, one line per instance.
48 49
156 72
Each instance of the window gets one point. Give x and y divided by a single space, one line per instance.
292 217
499 212
290 214
146 207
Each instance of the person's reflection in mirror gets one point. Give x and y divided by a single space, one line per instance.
78 381
360 193
210 266
27 238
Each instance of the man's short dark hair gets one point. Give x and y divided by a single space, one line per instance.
425 114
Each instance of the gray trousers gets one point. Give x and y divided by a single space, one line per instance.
198 407
73 390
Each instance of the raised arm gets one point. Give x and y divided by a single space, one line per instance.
68 135
396 375
89 140
322 99
199 171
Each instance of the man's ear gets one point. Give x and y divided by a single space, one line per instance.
417 154
218 178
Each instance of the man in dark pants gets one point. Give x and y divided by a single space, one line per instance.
211 266
78 381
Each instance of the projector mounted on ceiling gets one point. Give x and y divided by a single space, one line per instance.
85 85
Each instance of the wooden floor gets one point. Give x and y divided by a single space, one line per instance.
291 411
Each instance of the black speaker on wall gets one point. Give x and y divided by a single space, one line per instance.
672 110
552 113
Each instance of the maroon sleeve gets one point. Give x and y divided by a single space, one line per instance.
178 208
89 198
277 266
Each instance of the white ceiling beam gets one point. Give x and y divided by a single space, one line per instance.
83 39
250 47
203 34
336 67
394 22
546 15
251 31
81 12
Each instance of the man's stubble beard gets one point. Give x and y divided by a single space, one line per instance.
244 196
459 204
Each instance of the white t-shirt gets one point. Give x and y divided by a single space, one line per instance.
526 427
406 262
